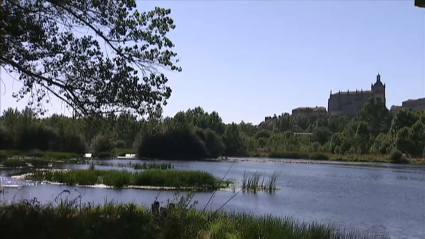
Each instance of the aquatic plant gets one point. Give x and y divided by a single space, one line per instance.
115 178
256 182
174 220
162 166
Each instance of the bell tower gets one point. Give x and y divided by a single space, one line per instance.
379 88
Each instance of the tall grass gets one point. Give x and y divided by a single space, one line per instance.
176 221
161 166
257 182
115 178
41 154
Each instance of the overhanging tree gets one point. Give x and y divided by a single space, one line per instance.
97 56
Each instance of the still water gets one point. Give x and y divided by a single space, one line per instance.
382 199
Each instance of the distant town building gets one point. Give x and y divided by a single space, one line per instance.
349 103
310 111
395 108
417 104
269 122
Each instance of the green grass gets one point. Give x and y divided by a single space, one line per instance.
161 166
18 163
330 157
118 179
70 220
40 155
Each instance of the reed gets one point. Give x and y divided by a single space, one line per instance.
72 220
160 166
119 179
257 182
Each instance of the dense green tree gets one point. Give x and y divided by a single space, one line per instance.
197 134
233 141
376 115
321 135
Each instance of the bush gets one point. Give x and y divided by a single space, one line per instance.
288 155
101 144
104 155
3 155
396 156
318 156
180 144
6 139
119 144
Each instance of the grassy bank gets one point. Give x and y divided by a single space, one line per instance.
296 155
174 221
18 163
335 157
15 154
118 179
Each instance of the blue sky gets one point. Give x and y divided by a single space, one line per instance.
250 59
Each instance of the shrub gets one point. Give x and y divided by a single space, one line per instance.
101 144
318 156
396 156
288 155
180 144
3 155
119 144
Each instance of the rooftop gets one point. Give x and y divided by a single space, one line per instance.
414 99
353 92
317 108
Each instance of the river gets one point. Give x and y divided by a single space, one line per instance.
383 199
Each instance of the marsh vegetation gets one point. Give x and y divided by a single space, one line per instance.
119 179
253 182
176 219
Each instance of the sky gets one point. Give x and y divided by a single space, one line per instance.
251 59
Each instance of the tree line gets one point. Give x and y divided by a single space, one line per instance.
196 134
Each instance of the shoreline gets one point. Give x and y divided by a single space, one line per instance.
296 161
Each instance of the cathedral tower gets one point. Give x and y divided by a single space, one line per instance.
379 89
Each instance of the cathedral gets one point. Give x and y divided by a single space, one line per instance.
349 103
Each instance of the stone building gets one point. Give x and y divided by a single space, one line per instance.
349 103
310 111
417 104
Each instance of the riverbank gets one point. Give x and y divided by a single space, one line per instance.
294 161
150 179
321 157
174 221
47 155
37 158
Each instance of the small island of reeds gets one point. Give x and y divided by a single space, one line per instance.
119 179
254 182
161 166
